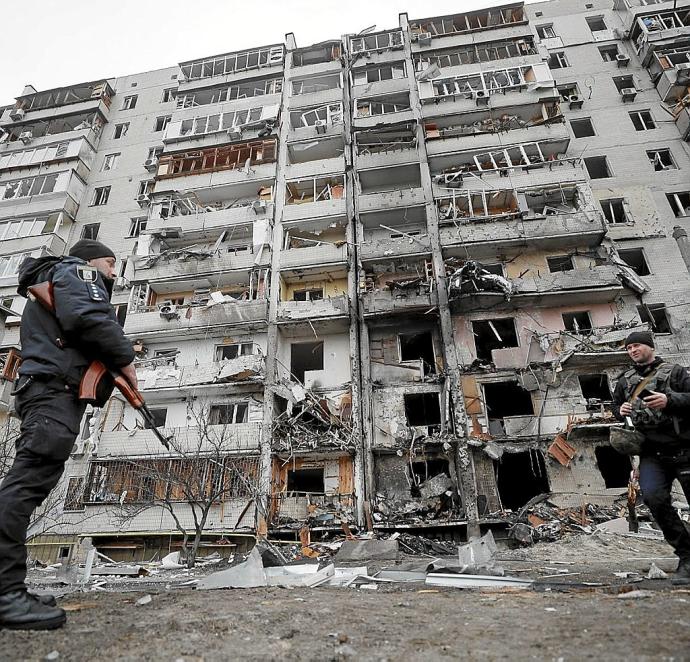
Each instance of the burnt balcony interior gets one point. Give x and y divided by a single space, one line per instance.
244 89
521 476
315 189
230 63
399 276
330 147
504 399
65 96
237 156
327 51
54 126
493 334
386 139
484 19
315 233
488 51
596 391
413 356
487 121
392 178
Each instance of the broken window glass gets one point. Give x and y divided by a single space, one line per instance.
228 413
305 356
493 334
577 322
656 316
423 410
596 390
560 263
642 120
307 480
520 477
418 347
661 159
680 203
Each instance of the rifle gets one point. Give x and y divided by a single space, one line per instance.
99 381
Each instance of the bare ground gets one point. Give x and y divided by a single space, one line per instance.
568 621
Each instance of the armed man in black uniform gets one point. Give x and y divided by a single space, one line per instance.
655 396
56 351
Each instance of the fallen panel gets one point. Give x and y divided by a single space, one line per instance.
478 552
248 574
401 575
133 570
363 550
475 581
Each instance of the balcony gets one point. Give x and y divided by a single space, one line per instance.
196 321
326 308
649 31
674 81
399 301
181 265
598 284
313 255
682 116
385 246
484 240
314 197
123 443
231 67
79 98
240 370
41 194
41 133
50 243
288 508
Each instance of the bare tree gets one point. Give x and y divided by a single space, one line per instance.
203 469
9 433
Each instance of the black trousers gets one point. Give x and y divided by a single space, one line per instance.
657 473
50 415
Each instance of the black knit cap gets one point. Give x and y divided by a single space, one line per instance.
88 249
641 337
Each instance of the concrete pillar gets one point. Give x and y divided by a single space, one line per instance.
681 237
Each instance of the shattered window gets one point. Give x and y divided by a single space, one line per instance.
577 322
557 61
306 480
560 263
422 409
661 159
493 334
635 259
418 347
228 413
642 120
680 203
159 416
656 316
305 356
615 211
224 352
596 390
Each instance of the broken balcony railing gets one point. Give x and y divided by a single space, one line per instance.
476 54
241 90
64 96
217 122
484 83
190 205
229 157
233 62
470 22
384 140
50 127
380 41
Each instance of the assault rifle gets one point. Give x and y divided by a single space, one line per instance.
99 381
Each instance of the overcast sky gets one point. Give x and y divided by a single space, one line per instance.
51 43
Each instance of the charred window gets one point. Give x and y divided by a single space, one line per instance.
577 322
493 334
504 399
422 409
418 347
306 480
159 415
596 390
305 356
520 477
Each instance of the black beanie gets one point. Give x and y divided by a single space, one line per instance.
88 249
641 337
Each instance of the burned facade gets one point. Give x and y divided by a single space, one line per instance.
377 282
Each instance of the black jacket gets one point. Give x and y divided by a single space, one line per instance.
665 437
84 327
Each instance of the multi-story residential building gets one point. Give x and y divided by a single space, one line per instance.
377 282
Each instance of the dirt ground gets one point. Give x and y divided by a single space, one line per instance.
561 619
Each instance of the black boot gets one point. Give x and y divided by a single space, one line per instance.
19 610
682 574
45 598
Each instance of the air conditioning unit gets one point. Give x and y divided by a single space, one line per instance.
168 311
575 102
151 164
320 126
26 137
622 59
143 199
235 133
17 114
259 206
481 98
628 93
121 283
424 39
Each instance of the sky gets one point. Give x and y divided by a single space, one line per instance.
51 43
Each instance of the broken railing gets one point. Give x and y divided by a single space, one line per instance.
469 22
476 85
241 90
64 96
380 41
233 62
229 157
476 53
384 105
315 189
193 209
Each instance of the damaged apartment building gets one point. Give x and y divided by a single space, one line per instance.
379 282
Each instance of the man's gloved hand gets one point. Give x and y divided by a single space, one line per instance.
130 374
